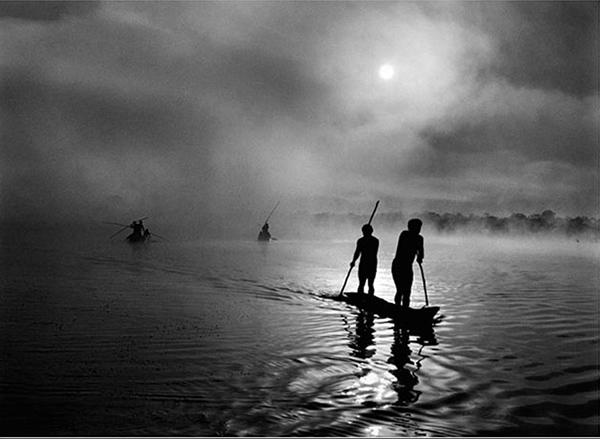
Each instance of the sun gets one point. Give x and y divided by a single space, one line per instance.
386 72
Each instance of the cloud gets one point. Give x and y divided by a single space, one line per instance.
44 10
542 45
533 123
558 45
200 110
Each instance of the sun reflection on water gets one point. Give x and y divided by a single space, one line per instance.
373 430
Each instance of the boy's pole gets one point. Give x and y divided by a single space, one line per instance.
349 271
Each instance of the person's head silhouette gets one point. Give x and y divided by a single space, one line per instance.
414 225
367 230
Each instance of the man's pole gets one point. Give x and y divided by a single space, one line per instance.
424 286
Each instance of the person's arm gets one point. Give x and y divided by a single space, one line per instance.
421 251
398 246
356 253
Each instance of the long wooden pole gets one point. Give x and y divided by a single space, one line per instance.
126 227
373 214
424 286
272 212
351 267
158 236
114 224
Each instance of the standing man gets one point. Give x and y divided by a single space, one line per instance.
410 245
366 248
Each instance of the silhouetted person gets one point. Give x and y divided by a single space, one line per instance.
366 249
410 245
133 225
147 234
138 229
264 234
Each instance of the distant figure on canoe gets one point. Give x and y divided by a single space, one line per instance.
410 245
138 230
264 234
366 248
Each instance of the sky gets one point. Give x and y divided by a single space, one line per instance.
203 111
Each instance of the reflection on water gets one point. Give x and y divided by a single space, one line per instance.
362 340
406 372
240 338
402 366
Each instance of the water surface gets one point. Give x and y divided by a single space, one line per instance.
241 338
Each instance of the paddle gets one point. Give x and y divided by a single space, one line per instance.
351 267
424 286
122 225
158 236
114 224
126 227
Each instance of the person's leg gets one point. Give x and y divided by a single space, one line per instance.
398 282
372 284
362 279
407 280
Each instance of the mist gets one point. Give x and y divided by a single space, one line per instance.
202 115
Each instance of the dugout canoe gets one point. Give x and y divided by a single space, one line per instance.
138 239
411 316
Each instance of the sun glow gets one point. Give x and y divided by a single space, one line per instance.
386 72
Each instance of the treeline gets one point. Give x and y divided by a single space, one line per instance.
547 222
518 223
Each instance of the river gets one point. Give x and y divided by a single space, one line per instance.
241 338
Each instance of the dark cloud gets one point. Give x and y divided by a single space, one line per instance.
100 116
45 10
541 44
273 83
555 46
548 137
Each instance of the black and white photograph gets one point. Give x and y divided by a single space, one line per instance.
312 218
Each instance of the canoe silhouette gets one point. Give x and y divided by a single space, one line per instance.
383 308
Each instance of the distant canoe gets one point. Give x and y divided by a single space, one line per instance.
138 239
265 236
383 308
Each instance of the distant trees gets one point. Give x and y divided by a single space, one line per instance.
518 223
547 222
